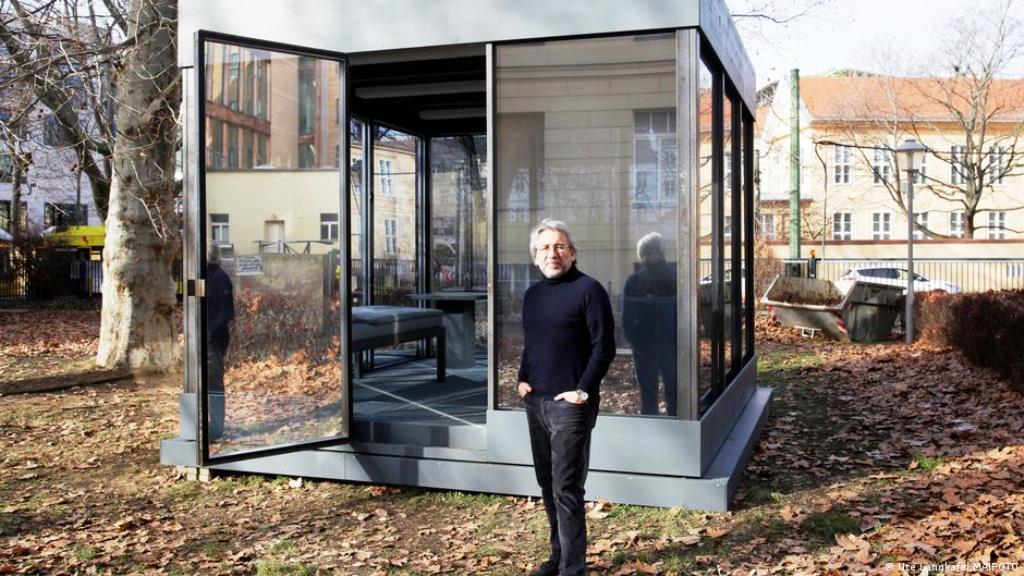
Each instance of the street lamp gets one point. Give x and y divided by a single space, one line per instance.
908 154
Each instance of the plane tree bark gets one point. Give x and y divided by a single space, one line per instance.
137 328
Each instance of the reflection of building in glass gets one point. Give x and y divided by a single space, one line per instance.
269 110
588 136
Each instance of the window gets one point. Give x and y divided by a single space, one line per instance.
921 170
996 164
63 215
262 86
5 215
386 179
215 151
53 132
261 149
233 69
307 95
882 166
307 155
956 224
391 236
6 168
997 225
842 226
247 148
957 164
654 158
843 164
249 84
766 225
920 219
328 226
232 147
727 227
220 230
881 225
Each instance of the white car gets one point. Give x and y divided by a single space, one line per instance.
893 277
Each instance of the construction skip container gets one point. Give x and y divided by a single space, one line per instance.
864 314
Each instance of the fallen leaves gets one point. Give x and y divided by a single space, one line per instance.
899 453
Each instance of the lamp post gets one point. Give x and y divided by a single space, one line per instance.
906 154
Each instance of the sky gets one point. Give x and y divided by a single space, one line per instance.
846 33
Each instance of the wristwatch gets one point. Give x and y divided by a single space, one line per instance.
582 395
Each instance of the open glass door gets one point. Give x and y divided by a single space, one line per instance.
274 210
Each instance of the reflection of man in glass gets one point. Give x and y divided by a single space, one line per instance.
569 344
649 323
220 311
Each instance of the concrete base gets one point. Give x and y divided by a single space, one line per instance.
468 470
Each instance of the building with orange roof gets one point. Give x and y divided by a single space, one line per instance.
967 197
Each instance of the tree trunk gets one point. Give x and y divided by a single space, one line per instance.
137 328
15 212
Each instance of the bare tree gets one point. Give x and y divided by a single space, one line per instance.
64 52
779 12
16 111
961 103
84 59
137 327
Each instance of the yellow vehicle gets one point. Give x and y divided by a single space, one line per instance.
87 240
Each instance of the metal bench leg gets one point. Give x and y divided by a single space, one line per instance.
441 352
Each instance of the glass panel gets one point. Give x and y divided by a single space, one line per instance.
458 210
358 205
705 154
586 133
272 309
458 227
727 234
394 217
742 242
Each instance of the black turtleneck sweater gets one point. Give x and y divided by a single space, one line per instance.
569 335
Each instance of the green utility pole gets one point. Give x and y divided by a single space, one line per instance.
794 165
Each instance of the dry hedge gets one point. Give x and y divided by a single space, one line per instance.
987 327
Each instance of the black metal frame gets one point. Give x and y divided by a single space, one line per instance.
202 428
742 203
737 109
748 232
718 368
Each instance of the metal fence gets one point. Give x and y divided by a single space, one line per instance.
57 275
971 274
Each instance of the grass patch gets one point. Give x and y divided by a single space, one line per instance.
928 463
825 525
281 568
758 495
773 364
283 546
182 490
213 549
84 554
466 499
765 523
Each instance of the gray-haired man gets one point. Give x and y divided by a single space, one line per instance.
568 346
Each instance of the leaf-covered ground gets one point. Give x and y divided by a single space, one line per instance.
875 456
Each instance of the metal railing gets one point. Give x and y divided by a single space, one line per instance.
971 274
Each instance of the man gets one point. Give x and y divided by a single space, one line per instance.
649 323
220 311
569 344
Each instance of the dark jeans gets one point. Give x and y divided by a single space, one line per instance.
648 362
560 441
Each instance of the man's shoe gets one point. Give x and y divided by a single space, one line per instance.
548 568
